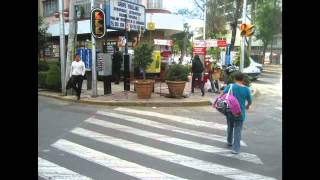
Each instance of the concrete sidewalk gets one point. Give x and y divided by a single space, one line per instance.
129 98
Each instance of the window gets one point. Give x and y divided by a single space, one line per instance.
50 7
155 4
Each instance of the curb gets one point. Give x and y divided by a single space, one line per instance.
128 103
135 103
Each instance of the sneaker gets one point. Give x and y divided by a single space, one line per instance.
229 144
234 152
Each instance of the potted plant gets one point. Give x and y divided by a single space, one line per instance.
176 78
142 59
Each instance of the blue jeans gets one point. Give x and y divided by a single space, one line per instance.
234 131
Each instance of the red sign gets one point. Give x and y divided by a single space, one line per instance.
163 42
199 51
222 43
165 54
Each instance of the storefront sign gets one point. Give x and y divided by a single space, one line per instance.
199 51
119 11
163 42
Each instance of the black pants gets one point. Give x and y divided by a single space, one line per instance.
199 77
77 83
116 76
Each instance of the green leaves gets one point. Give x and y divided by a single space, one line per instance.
177 72
143 56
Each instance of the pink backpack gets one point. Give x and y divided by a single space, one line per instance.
228 103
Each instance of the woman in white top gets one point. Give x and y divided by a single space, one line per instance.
77 73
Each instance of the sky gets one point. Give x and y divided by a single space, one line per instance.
173 5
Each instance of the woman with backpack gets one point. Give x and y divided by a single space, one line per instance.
242 94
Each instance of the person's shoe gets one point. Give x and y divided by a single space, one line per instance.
78 98
202 94
234 152
229 144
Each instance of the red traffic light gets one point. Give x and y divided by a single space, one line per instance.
98 26
98 15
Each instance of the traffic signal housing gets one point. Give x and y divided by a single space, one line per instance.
98 25
246 30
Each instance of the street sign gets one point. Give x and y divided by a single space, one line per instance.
119 11
199 51
199 43
151 26
163 42
222 43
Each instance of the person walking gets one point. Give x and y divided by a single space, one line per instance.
116 65
242 93
197 70
77 74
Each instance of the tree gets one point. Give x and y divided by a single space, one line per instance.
43 36
264 19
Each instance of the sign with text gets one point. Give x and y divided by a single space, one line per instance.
118 12
210 43
163 42
199 51
199 43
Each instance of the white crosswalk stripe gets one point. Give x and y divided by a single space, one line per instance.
116 124
194 163
184 143
112 162
159 125
184 120
52 171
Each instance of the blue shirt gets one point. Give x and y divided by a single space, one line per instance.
242 93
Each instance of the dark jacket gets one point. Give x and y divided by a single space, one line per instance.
117 61
197 67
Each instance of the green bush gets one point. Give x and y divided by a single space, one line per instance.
53 79
247 80
42 78
43 66
143 57
177 72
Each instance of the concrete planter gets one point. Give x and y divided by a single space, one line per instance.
144 88
176 88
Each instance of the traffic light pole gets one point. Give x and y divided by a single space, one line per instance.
62 47
94 72
126 59
244 15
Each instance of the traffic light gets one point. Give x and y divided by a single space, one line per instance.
246 30
98 26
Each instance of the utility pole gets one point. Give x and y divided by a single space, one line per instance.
204 19
94 69
274 7
244 15
126 59
62 47
72 39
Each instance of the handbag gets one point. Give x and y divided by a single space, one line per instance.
227 103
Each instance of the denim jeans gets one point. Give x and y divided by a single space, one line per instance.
234 131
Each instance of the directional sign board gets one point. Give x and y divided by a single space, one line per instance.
118 12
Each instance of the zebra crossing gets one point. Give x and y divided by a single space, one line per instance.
142 134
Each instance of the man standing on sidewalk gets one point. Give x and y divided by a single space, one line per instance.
197 70
77 73
116 65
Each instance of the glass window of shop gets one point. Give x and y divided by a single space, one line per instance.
50 7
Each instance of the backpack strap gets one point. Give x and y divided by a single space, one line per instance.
230 90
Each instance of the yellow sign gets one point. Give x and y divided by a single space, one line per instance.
155 65
151 26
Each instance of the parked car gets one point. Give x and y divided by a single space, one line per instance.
252 71
258 65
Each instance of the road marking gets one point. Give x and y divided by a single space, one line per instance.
52 171
159 125
194 163
184 120
278 108
115 163
176 141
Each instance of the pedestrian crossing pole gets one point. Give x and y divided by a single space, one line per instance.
94 69
244 14
62 47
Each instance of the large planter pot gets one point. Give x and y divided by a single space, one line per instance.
176 88
144 88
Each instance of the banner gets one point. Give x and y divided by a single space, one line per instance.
155 65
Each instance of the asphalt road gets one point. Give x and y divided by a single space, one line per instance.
79 141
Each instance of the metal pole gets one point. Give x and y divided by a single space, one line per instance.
244 15
204 20
62 47
94 73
